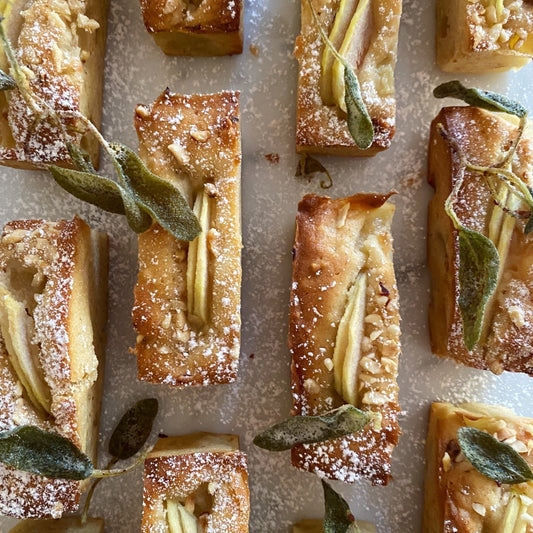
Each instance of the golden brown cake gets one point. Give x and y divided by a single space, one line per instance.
60 45
344 331
195 27
53 301
506 342
321 126
484 35
198 481
187 297
457 497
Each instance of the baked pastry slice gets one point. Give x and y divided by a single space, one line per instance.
481 137
195 27
484 36
187 297
196 483
317 526
459 498
53 296
60 45
344 331
367 37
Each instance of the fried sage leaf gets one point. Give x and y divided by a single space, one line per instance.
479 98
478 277
529 225
133 430
338 517
92 188
359 121
309 165
310 429
7 83
157 197
494 459
80 158
34 450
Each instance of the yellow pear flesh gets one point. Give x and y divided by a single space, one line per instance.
191 258
201 278
347 350
353 49
179 520
23 355
340 27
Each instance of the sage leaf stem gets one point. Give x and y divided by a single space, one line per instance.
311 429
492 458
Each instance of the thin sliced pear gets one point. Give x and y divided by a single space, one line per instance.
191 258
347 350
340 27
22 354
201 279
354 48
512 513
179 520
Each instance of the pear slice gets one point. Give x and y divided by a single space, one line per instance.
347 350
353 49
340 27
191 257
512 514
201 278
179 519
15 325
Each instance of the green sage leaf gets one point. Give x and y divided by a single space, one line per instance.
359 121
80 158
34 450
92 188
494 459
157 197
310 429
7 83
338 517
479 98
309 165
133 430
478 277
529 225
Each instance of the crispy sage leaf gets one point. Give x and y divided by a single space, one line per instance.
80 158
159 198
478 277
89 187
359 121
529 225
134 428
7 83
338 517
34 450
479 98
309 429
309 165
494 459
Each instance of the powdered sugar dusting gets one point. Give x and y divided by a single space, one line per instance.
137 71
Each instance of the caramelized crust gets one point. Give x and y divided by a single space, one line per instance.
482 137
60 45
458 499
473 36
58 272
323 129
181 468
194 142
195 28
335 241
